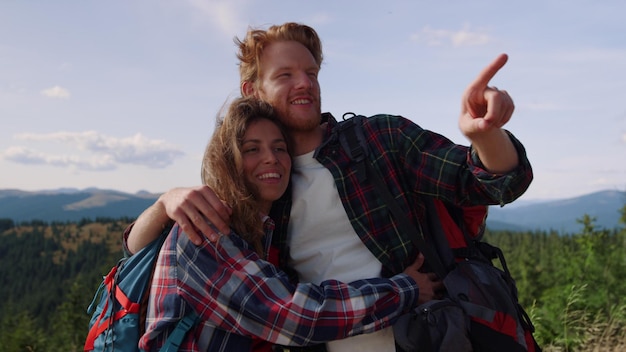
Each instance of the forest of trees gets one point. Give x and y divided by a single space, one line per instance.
573 286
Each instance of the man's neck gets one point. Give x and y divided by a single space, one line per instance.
307 141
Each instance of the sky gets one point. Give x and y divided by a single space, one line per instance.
123 94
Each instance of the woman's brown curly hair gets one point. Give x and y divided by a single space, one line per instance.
222 166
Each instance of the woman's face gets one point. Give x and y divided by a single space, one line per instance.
266 162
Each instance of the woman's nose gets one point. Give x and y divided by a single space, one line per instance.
269 157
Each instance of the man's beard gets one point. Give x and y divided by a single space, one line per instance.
300 124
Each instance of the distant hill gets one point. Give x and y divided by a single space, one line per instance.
559 215
74 205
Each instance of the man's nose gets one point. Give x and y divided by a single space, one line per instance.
304 80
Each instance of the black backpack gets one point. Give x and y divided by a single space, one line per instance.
481 311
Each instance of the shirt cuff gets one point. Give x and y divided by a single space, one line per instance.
127 252
408 291
508 186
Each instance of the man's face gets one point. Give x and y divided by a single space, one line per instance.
288 81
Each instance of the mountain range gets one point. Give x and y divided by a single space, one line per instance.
559 215
72 205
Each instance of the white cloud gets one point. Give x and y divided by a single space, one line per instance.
56 92
223 14
22 155
441 37
93 151
602 181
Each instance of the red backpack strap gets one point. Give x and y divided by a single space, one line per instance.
471 218
475 219
453 233
100 326
95 331
96 327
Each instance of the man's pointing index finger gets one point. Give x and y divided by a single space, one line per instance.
490 71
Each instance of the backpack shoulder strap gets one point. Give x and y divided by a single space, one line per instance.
175 339
352 140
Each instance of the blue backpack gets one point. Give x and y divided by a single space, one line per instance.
118 319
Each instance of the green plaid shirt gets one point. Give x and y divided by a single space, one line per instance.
414 162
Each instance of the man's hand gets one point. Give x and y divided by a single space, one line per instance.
484 110
192 207
430 286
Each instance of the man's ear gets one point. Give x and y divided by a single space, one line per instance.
247 89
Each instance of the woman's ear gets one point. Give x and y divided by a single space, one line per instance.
247 89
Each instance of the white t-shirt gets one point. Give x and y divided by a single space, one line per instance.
323 244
